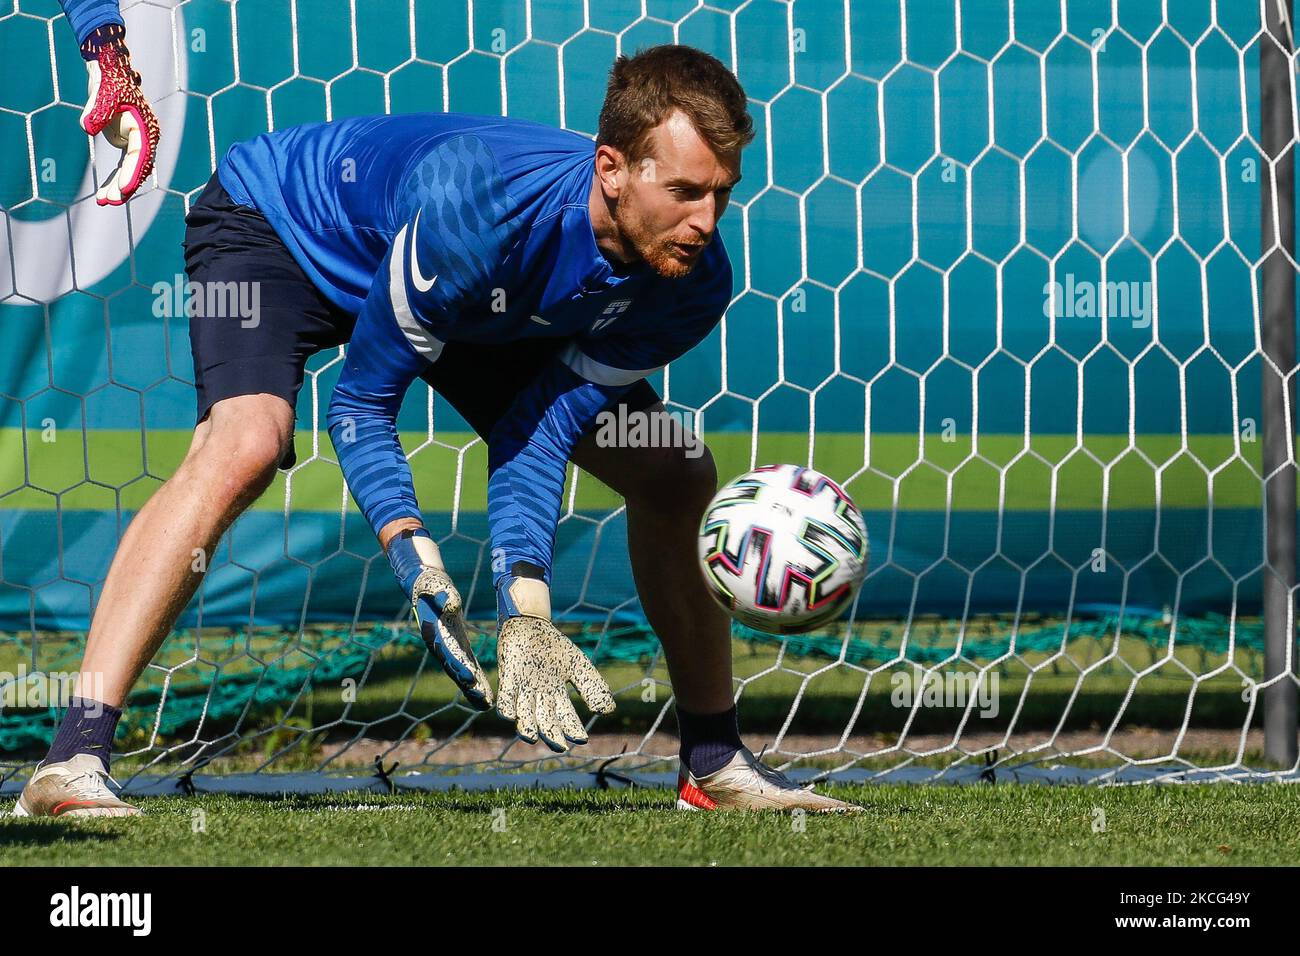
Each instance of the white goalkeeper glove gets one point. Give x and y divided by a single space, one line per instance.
436 606
116 107
535 665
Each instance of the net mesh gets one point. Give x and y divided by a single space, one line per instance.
997 274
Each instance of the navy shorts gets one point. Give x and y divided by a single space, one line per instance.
238 355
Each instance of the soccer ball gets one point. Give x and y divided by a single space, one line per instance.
783 549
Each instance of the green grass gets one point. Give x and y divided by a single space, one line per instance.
395 699
904 825
85 468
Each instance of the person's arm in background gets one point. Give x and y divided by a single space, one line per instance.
115 103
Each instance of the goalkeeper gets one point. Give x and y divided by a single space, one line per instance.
533 279
534 285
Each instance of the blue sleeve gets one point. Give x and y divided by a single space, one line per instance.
529 448
85 15
528 451
388 350
440 259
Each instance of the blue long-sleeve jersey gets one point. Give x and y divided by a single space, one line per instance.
441 228
85 15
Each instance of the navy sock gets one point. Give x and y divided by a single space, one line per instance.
708 740
87 728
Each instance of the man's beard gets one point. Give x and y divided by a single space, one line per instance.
661 255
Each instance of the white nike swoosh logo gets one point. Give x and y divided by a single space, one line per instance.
421 339
539 320
417 278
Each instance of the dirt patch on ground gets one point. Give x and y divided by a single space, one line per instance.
1135 743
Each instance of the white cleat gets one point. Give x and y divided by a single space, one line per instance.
71 788
746 784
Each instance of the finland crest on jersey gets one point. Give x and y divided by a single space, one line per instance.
611 312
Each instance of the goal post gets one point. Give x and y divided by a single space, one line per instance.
1017 276
1277 216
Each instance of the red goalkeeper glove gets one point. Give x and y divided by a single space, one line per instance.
116 107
